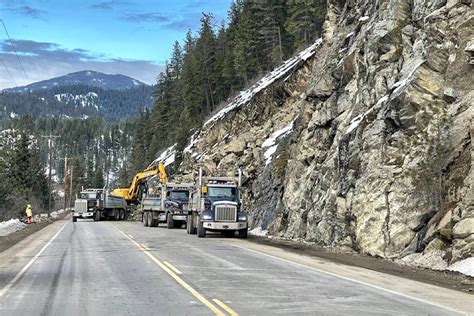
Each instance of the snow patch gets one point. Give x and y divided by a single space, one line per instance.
400 85
363 19
465 266
13 114
271 144
167 156
258 231
11 226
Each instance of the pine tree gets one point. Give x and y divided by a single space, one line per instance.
305 20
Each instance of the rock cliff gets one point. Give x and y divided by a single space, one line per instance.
363 142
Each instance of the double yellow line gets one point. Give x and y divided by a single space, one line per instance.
173 272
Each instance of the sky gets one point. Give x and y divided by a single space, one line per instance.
130 37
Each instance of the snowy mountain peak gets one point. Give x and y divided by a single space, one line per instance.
86 78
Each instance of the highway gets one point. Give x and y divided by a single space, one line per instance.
123 268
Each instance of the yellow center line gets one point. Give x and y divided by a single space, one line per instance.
172 267
145 247
196 294
225 307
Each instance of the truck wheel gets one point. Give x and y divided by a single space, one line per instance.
122 214
243 233
201 231
145 219
74 219
96 216
169 221
154 222
190 229
150 219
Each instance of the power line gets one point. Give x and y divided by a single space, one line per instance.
14 49
8 71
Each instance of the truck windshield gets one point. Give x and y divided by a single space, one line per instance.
179 195
88 195
221 192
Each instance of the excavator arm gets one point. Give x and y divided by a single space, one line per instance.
132 193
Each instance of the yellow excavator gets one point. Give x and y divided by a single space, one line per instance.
138 187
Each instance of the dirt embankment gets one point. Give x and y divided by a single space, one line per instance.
447 279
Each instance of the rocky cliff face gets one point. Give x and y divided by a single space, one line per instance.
366 145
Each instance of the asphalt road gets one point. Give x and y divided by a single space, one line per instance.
123 268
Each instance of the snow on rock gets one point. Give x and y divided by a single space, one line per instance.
465 266
400 85
10 226
270 142
363 19
258 231
356 120
246 96
192 142
167 156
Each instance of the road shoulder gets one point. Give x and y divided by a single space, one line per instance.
428 293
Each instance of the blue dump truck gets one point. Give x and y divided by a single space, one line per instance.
166 203
98 204
215 206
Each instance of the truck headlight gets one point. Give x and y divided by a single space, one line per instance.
206 217
242 218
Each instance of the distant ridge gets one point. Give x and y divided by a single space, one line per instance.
85 78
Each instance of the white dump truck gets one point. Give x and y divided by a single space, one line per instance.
98 204
166 203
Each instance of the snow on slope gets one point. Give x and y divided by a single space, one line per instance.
247 95
10 226
167 156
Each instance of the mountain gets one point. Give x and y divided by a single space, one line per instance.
77 101
86 78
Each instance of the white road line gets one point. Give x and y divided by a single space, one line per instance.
28 265
350 279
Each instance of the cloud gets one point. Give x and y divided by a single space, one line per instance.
145 17
44 60
27 11
103 5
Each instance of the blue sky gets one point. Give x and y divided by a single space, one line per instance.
132 37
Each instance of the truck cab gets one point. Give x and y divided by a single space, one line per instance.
99 204
215 206
85 204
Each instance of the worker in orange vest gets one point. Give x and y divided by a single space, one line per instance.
29 214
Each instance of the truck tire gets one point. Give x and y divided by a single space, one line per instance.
150 219
169 221
122 214
74 219
145 219
243 233
154 222
201 231
190 229
96 216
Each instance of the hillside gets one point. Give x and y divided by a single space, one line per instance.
77 101
367 146
86 78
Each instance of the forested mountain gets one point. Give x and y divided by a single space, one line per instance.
215 63
86 78
96 150
77 101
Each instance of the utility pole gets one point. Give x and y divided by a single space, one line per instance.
50 145
65 182
70 185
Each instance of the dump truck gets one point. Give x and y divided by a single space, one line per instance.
99 204
166 203
215 206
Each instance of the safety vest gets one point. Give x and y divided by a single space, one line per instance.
29 212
